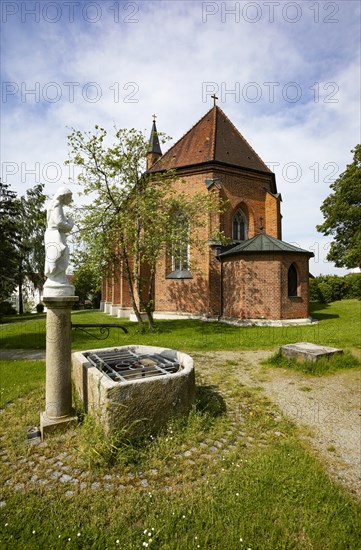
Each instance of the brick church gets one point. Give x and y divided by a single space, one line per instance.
258 278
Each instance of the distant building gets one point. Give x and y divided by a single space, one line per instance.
258 277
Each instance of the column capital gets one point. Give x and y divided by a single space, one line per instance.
60 302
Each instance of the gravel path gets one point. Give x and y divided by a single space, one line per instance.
328 408
21 354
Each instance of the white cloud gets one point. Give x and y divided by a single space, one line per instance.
161 65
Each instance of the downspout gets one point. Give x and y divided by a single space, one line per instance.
221 290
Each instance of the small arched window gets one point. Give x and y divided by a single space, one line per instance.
239 226
292 281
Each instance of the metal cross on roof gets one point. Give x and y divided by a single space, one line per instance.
154 117
214 97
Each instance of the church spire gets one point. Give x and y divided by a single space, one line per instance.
154 150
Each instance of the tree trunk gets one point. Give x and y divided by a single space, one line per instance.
149 307
128 276
21 300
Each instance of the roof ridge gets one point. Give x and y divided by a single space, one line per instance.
244 139
158 161
213 152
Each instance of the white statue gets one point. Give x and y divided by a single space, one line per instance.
56 249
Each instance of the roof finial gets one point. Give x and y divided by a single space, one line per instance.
154 117
214 97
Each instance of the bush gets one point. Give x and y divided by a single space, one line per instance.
7 309
330 288
40 308
315 292
96 299
353 285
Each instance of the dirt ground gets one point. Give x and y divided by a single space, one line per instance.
327 408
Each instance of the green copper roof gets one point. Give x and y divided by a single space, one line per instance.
264 243
154 145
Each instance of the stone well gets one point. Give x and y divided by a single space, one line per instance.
141 398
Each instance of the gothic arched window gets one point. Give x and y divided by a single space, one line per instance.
292 281
180 244
239 226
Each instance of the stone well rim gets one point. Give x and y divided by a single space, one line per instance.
186 364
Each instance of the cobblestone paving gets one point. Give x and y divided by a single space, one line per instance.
45 471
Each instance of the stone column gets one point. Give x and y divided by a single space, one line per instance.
58 414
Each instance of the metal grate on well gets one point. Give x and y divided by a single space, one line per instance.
122 365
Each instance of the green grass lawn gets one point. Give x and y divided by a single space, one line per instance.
339 326
18 377
325 365
262 489
234 475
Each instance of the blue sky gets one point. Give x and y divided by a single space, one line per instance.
286 73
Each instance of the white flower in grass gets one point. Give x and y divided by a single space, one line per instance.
149 534
237 494
145 544
78 535
33 532
117 541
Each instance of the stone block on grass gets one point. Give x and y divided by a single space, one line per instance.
307 351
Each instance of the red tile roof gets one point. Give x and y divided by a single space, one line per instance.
212 138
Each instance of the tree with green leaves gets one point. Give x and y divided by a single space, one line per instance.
31 251
9 242
87 277
130 219
22 227
342 213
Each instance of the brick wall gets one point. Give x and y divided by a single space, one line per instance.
241 189
272 225
251 288
186 295
248 191
295 308
255 286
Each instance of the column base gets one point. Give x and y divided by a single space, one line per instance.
56 425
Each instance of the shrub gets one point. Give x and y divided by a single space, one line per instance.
315 292
328 288
7 309
96 299
353 285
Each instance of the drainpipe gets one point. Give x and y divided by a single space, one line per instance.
221 283
221 315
